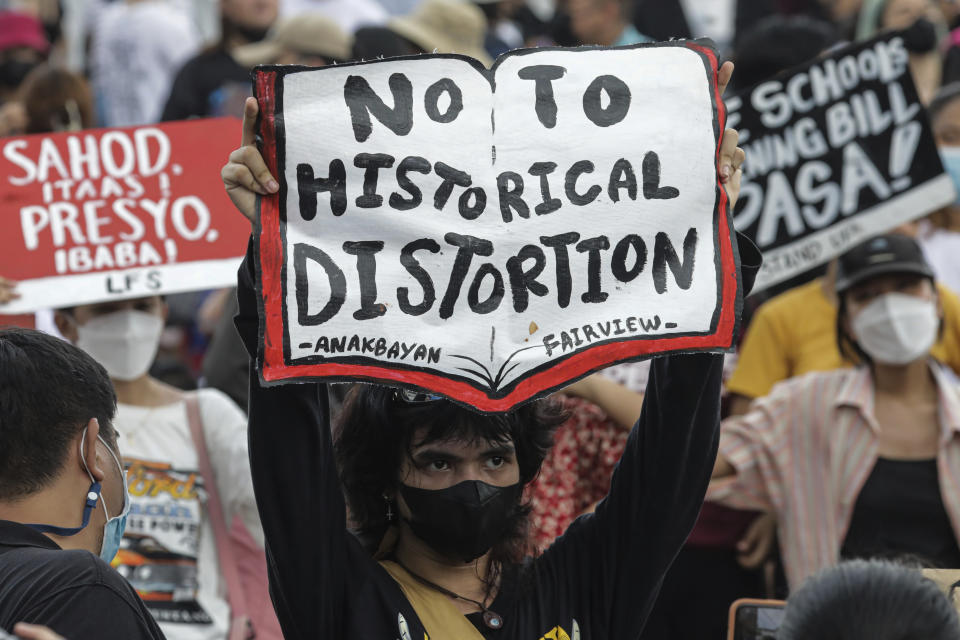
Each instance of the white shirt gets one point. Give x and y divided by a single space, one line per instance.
169 552
137 51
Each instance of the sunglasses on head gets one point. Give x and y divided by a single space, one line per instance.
415 397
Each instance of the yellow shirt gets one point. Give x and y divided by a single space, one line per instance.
796 332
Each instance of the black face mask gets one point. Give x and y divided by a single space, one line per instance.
12 72
463 521
920 37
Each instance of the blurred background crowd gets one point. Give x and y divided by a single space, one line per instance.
67 65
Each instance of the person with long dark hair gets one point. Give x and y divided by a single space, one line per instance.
434 491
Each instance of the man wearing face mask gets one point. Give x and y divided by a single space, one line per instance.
63 496
172 551
858 462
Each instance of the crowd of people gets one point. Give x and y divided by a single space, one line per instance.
151 486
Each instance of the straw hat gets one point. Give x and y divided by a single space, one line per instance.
308 33
449 26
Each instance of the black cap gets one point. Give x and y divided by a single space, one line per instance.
890 253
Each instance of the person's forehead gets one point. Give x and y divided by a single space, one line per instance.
460 446
111 305
888 280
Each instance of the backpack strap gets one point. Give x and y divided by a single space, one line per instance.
231 574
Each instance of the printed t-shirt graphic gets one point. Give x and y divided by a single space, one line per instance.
158 555
158 438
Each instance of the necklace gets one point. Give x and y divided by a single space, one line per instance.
492 619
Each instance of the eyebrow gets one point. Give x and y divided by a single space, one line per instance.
433 454
499 450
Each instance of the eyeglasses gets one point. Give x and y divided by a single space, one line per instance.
415 397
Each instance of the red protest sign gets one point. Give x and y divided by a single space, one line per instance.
118 213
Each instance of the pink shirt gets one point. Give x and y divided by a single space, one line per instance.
805 451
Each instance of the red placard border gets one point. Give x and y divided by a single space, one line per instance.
270 259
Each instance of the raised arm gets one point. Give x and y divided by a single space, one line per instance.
608 566
295 481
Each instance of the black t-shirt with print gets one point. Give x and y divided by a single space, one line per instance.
599 580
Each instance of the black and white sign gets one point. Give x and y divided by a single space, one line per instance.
836 151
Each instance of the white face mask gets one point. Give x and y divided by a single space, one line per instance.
124 342
897 328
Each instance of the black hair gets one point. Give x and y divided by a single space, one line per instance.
945 95
777 43
869 600
375 434
849 348
49 390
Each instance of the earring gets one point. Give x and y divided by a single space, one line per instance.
389 509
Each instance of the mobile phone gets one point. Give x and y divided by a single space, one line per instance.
6 636
755 619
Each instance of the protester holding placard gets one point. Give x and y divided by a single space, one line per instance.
173 550
859 462
445 483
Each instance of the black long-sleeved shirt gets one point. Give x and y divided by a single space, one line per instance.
601 577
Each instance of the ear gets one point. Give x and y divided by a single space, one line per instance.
66 325
88 445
